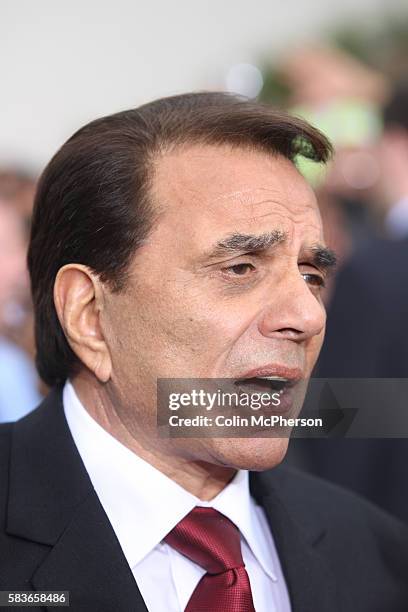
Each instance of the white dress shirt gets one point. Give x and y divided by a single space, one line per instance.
143 505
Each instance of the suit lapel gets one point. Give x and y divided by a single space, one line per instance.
89 558
312 586
52 502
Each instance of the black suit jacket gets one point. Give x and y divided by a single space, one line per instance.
338 552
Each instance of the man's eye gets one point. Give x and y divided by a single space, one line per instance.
243 269
314 279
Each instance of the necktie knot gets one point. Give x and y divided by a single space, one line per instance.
209 539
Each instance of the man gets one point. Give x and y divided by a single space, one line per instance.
179 240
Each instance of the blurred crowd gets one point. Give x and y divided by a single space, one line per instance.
20 389
364 204
363 196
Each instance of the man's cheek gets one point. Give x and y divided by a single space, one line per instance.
320 337
315 348
189 333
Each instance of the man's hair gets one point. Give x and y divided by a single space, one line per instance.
395 112
92 204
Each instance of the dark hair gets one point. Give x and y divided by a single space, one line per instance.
395 112
92 204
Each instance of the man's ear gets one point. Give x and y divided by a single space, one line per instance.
78 298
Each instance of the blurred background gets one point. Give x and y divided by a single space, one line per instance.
343 66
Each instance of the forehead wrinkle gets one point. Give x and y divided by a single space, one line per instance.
249 199
258 210
246 193
279 205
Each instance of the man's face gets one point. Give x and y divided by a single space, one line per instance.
228 282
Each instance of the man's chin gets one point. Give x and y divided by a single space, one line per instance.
255 454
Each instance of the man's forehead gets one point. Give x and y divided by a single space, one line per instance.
267 198
216 180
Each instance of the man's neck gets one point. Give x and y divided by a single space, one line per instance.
201 478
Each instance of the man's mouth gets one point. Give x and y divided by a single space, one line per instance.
271 376
275 380
276 384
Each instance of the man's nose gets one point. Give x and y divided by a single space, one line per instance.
293 311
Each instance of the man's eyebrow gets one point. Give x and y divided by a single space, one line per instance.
246 243
237 243
323 257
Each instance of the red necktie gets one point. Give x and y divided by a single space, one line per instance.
212 541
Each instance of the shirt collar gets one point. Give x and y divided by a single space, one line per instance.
143 504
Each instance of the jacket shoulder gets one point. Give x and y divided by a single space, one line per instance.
353 524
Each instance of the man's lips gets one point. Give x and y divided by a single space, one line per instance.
290 374
277 378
